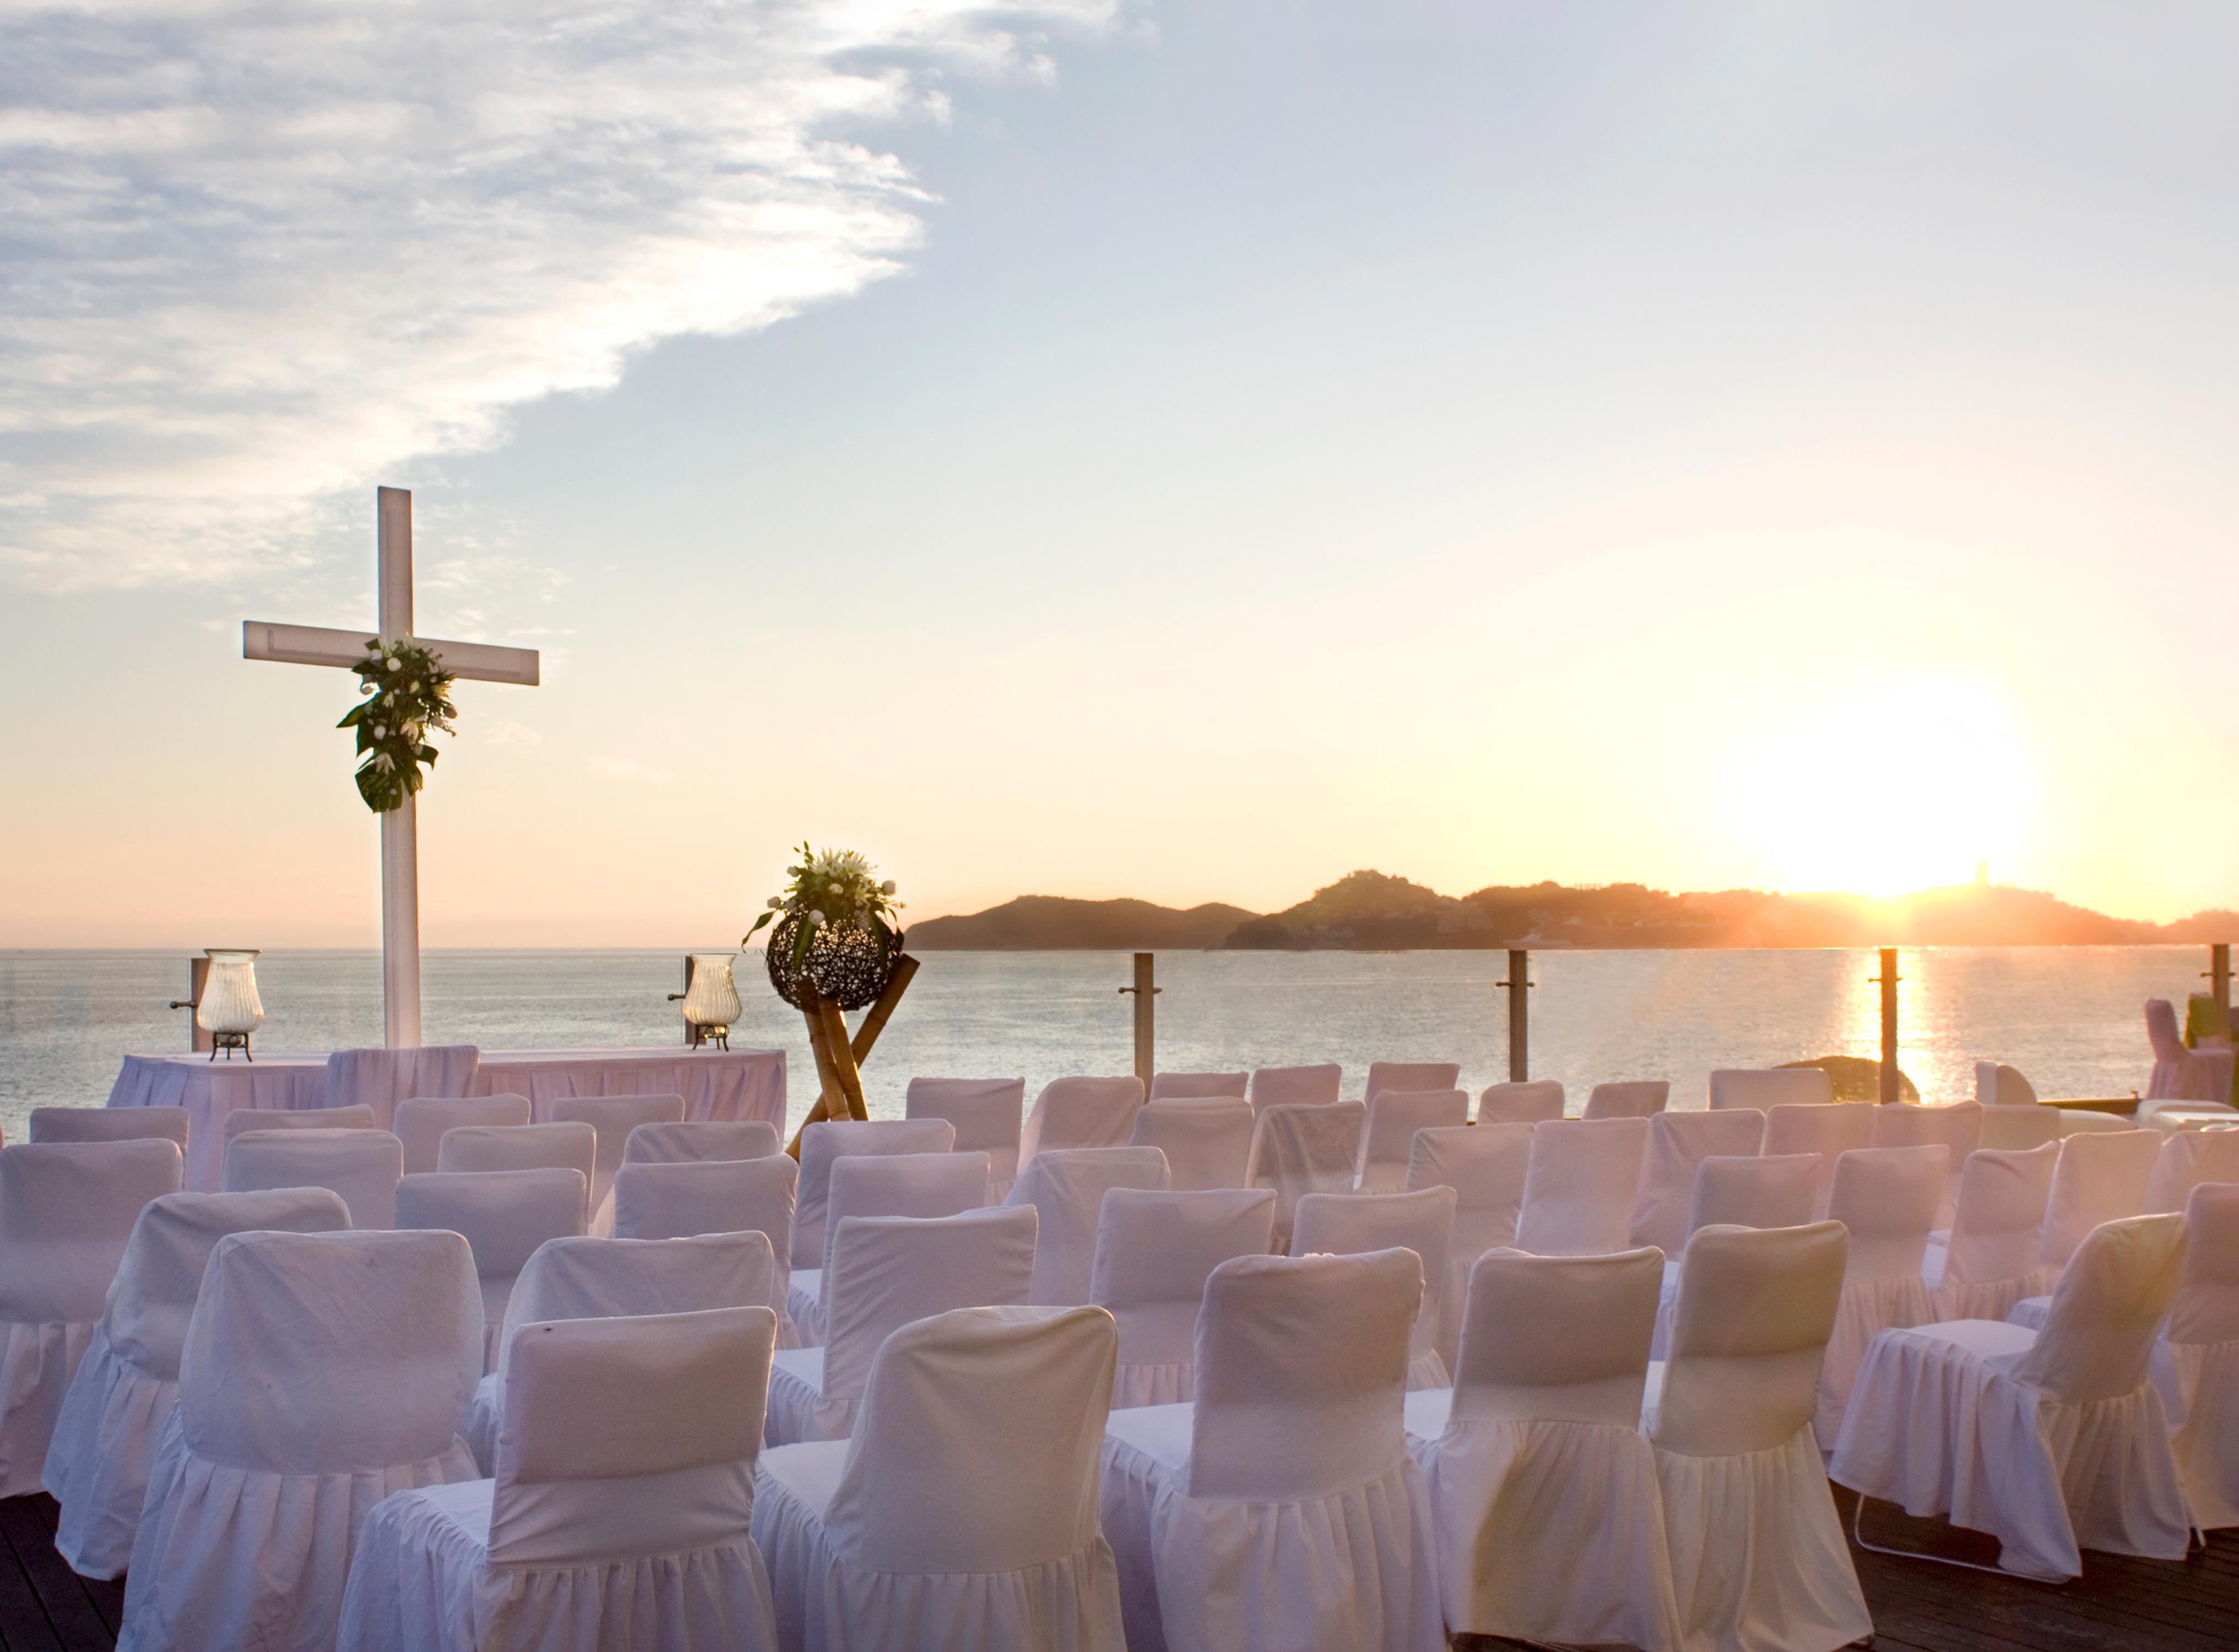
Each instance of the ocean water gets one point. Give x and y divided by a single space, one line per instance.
2071 1018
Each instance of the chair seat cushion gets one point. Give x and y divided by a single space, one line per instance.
796 1393
809 1473
1425 1413
1160 1432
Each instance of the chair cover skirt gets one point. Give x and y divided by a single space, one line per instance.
2200 1387
420 1574
104 1446
37 1365
1867 1308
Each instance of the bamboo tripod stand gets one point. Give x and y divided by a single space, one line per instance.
838 1057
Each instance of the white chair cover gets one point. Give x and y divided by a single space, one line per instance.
883 1184
1080 1112
419 1122
110 1124
611 1120
504 1216
521 1147
2186 1159
2099 1178
1959 1128
1359 1224
1165 1086
1484 1164
2075 1121
379 1078
619 1513
988 1115
1990 1258
827 1141
1281 1509
1550 1524
1298 1149
1153 1253
1409 1075
120 1402
1628 1099
922 1531
2047 1440
1525 1102
1828 1129
1068 1187
1578 1186
321 1372
2008 1128
1759 1560
2191 1076
596 1278
1886 1198
2197 1364
702 1141
362 1165
1677 1142
1313 1086
1999 1086
1741 1192
1207 1143
1766 1088
885 1271
1394 1118
66 1214
241 1120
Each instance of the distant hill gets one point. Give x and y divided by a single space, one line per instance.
1371 911
1051 923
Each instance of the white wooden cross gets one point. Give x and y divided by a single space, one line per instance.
306 645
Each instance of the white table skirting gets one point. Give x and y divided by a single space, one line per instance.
210 1090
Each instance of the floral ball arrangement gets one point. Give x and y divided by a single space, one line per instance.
405 696
836 930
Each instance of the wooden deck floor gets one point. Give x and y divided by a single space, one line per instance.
2136 1605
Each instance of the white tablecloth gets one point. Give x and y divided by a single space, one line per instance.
715 1084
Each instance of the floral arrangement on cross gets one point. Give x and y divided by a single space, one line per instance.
406 696
837 946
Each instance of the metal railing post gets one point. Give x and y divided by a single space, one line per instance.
197 978
1888 978
691 1032
1519 1014
2219 982
1145 990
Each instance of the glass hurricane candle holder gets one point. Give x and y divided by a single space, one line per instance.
229 1010
711 1004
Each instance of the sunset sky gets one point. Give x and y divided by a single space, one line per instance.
1181 450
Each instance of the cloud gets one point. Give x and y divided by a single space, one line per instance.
628 768
253 256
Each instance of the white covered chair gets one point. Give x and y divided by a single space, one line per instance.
2186 1159
1758 1563
1522 1102
110 1124
2099 1178
1677 1142
1173 1086
702 1141
121 1400
1958 1128
1207 1143
1740 1192
1357 1225
1628 1099
2051 1441
66 1215
1300 1149
2008 1128
988 1114
321 1372
885 1271
596 1278
362 1165
2197 1367
883 1184
823 1144
379 1078
611 1120
1310 1086
241 1120
1080 1112
922 1531
1766 1088
1409 1075
2192 1078
1578 1186
1990 1258
521 1147
419 1122
1153 1253
619 1513
1484 1164
1997 1084
1067 1187
1394 1118
1828 1129
1885 1196
1281 1509
1549 1524
684 1200
504 1216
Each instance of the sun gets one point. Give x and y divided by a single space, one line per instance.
1884 787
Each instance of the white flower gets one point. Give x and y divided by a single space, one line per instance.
365 688
776 903
888 888
815 918
389 664
380 731
833 889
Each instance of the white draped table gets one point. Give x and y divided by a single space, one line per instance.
715 1084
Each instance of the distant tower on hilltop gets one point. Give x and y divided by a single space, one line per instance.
1981 874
